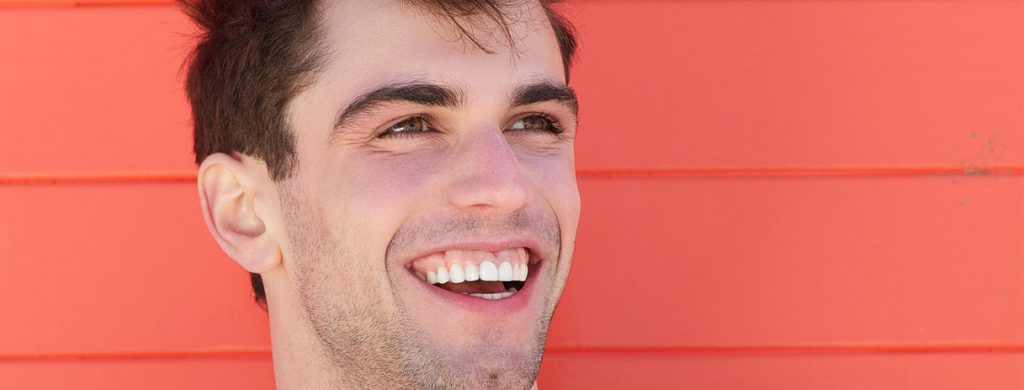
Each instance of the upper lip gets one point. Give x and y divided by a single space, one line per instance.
531 244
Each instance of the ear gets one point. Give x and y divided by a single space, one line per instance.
230 188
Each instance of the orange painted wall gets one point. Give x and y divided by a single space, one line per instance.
777 195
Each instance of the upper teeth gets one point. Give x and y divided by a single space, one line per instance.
458 266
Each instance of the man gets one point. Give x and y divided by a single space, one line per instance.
398 177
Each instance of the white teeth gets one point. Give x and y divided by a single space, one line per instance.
505 272
494 296
488 271
512 290
458 266
457 276
471 273
442 275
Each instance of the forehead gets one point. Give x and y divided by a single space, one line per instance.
370 42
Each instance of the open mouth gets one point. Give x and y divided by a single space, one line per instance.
485 275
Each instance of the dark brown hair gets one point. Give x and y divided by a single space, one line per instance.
254 56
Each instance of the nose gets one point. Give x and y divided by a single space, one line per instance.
488 176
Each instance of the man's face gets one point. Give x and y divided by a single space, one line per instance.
421 156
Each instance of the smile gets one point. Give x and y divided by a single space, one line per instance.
481 274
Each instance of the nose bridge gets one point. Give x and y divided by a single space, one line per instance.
488 174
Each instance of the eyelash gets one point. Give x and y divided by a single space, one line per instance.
555 127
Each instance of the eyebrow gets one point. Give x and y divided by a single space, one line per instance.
419 93
440 96
546 92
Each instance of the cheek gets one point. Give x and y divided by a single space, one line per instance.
381 191
555 179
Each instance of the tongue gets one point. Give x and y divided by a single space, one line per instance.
475 287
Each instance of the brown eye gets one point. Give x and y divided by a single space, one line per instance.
409 127
535 123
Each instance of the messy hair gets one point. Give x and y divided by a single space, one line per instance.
254 56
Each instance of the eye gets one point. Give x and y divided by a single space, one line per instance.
409 127
536 122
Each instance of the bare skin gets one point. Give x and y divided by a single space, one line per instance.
477 165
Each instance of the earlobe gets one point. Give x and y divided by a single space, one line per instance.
228 195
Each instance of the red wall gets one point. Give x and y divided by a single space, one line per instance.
777 195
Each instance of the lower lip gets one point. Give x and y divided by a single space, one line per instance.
514 303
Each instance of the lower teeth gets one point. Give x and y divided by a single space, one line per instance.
494 296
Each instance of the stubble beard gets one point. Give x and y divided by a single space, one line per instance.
369 345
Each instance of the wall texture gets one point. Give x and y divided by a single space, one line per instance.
777 195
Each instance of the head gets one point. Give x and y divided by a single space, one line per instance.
398 178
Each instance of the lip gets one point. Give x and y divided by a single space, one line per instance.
509 305
514 303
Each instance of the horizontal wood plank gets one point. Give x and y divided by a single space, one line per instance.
151 375
679 84
796 83
804 261
735 262
93 88
111 268
853 372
